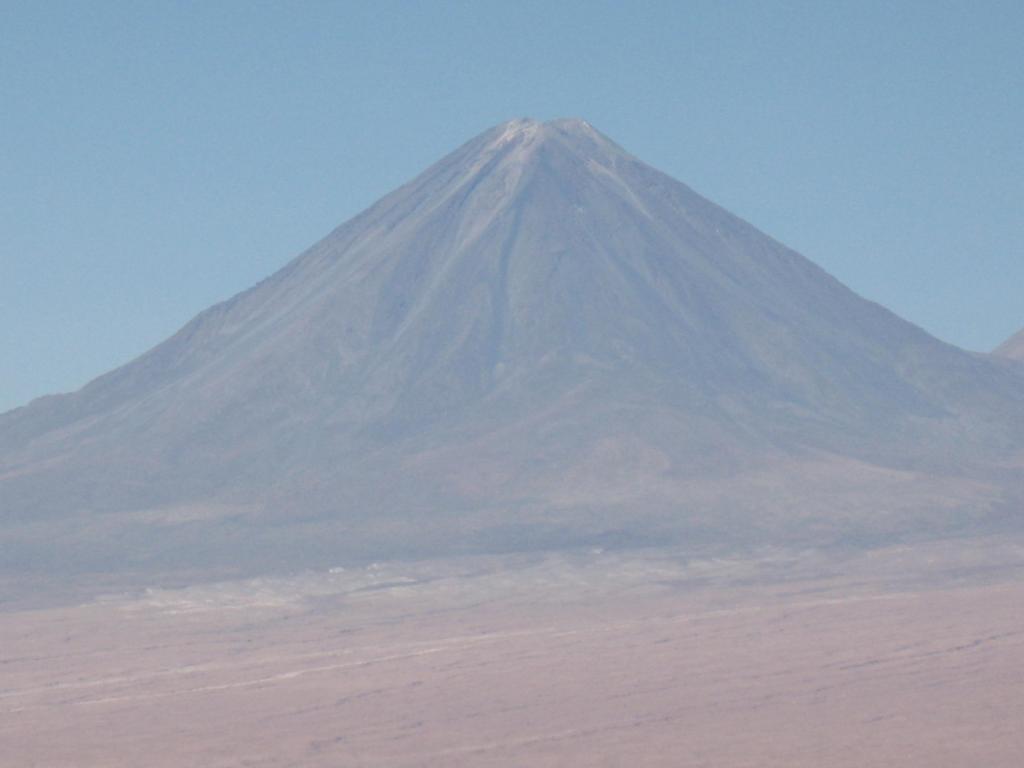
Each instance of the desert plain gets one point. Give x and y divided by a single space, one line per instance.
909 655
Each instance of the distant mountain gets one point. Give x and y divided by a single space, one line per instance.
538 342
1013 347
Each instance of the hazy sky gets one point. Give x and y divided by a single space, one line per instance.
156 157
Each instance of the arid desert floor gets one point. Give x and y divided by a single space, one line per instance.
906 656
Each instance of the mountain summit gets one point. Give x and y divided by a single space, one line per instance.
540 341
1013 347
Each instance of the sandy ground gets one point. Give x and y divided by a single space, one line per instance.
901 657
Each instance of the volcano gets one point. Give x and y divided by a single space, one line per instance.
539 342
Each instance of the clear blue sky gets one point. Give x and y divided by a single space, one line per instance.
156 157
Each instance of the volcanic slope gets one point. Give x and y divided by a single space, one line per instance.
1013 347
538 342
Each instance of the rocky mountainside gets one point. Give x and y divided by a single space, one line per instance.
538 342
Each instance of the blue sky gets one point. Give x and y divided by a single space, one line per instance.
156 157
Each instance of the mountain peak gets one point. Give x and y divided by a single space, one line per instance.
572 125
1013 347
568 132
569 125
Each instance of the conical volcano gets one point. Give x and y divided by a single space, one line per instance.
538 342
